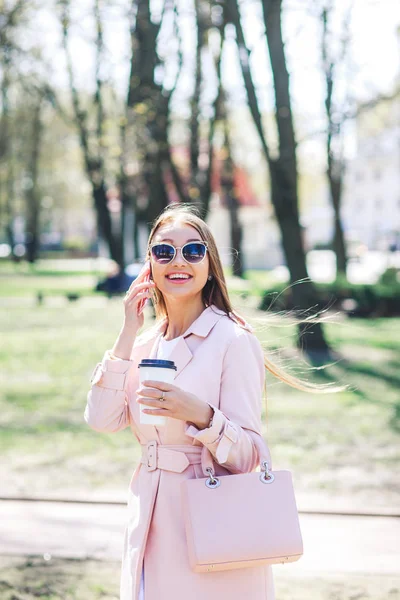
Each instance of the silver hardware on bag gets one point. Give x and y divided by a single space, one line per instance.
266 476
212 482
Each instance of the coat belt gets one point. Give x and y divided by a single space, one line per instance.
169 457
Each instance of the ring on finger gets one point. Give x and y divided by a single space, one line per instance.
162 399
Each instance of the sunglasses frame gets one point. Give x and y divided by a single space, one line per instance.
179 248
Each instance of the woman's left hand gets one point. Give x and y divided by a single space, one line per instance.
178 404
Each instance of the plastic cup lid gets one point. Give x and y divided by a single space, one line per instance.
158 362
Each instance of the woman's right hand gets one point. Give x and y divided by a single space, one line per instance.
139 289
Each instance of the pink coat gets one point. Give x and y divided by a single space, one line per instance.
222 363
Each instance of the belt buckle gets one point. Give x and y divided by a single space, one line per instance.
152 455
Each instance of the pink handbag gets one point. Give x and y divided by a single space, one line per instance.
239 521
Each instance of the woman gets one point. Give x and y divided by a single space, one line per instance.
215 401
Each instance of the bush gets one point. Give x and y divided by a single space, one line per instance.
390 277
380 300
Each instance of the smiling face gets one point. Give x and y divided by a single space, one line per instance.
178 234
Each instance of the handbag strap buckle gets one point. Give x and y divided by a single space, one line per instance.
212 482
266 476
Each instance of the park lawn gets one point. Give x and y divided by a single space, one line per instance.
47 285
51 277
59 277
341 448
28 281
29 578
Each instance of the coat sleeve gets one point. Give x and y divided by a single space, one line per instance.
238 418
107 407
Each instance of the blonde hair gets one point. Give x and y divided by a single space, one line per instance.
216 291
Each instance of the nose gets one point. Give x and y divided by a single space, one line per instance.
179 257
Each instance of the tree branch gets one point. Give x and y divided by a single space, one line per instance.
232 15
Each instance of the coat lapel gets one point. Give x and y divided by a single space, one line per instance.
201 327
182 354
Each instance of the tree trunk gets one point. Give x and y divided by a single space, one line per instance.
232 201
157 158
136 245
151 123
158 198
284 178
9 205
283 171
199 191
104 223
94 162
236 231
144 55
32 193
7 159
284 184
195 102
219 114
235 226
339 244
335 167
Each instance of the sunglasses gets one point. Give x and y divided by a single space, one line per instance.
192 252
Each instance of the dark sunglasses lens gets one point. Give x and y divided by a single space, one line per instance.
162 253
194 252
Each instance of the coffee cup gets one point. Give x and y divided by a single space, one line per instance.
155 369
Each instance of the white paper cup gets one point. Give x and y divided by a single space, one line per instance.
155 369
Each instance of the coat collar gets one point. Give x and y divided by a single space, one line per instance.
181 353
200 326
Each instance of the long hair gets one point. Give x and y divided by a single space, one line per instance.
215 290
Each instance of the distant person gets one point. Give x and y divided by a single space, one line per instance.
116 281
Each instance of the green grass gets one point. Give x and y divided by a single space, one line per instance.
340 447
48 285
61 276
50 277
32 577
66 579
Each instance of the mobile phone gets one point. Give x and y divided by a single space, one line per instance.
144 301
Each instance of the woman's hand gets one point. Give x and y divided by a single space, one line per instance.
178 404
138 290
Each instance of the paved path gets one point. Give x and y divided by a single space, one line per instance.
332 543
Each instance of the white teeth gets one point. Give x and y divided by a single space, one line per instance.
178 276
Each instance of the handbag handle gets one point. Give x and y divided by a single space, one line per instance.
207 460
